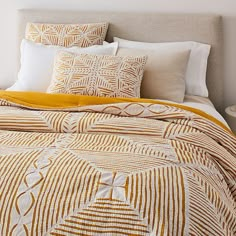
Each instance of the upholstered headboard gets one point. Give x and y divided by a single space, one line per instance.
150 27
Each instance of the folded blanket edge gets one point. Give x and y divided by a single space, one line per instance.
46 101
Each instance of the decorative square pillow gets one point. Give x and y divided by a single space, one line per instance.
97 75
67 35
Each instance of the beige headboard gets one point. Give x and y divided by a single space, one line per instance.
150 27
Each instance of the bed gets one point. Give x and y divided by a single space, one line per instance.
85 165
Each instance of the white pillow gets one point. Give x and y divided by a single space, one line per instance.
195 77
37 62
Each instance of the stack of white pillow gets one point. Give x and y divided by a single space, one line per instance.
37 62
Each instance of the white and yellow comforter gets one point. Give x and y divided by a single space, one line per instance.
76 165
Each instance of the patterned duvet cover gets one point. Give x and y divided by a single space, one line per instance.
130 168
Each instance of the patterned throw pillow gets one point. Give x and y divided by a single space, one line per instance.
67 35
97 75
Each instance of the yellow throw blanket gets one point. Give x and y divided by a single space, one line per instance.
77 165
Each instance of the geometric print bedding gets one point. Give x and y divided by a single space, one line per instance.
67 35
115 169
97 75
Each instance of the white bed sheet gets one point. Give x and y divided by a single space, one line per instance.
204 104
207 109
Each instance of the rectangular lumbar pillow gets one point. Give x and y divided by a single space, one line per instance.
164 73
195 78
67 35
37 62
97 75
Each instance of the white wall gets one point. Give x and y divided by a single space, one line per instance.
227 8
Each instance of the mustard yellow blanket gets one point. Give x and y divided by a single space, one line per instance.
77 165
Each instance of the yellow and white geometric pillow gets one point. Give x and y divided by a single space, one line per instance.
97 75
67 35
